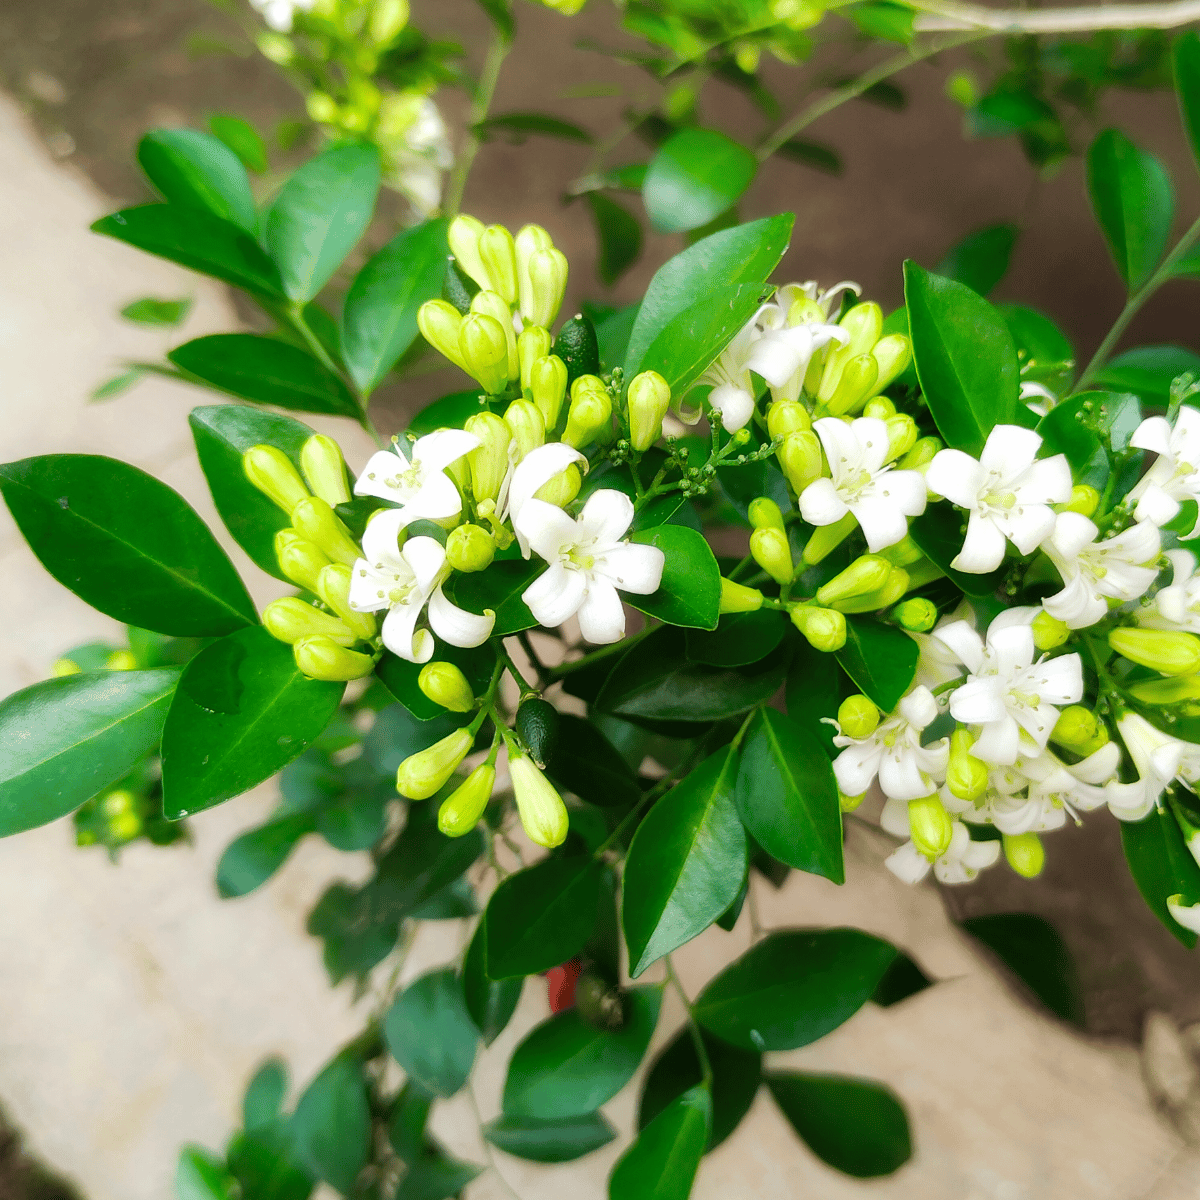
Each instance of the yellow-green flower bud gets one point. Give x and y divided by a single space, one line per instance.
896 584
463 235
1048 631
542 812
125 826
966 775
322 658
65 666
1084 500
388 17
787 416
769 548
590 411
524 421
333 586
736 597
499 256
548 386
855 383
271 471
488 461
921 455
1025 853
85 837
764 514
858 717
483 345
440 324
824 628
903 553
121 660
892 355
864 323
322 108
827 538
1177 690
470 548
279 49
547 286
917 615
492 305
801 459
445 684
529 240
533 344
880 407
118 801
867 573
848 804
1101 739
461 810
426 772
1076 726
649 399
325 469
562 489
1164 650
930 826
299 559
902 435
291 620
315 520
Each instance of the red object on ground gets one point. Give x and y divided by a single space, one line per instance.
560 984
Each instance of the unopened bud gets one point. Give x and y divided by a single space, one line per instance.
529 240
921 455
855 383
313 519
590 411
463 237
324 469
801 459
440 324
461 810
1048 631
388 18
498 254
1084 500
764 514
526 425
562 489
902 435
903 553
1167 691
858 717
533 344
896 584
849 804
826 538
769 548
736 597
322 658
333 586
65 666
426 772
279 49
1076 726
470 548
649 398
542 812
291 620
299 559
490 304
966 775
121 660
125 826
483 345
892 355
931 827
271 471
868 573
322 108
548 386
445 684
879 406
1167 651
917 615
864 323
489 460
787 416
118 801
547 286
824 628
1025 853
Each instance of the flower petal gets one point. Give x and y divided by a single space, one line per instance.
881 520
1047 481
606 516
820 504
978 701
546 528
633 568
399 628
955 475
556 594
427 557
381 466
536 469
1009 449
436 451
437 498
908 864
983 547
457 626
601 617
1154 433
381 539
999 742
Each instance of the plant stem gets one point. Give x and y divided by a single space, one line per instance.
484 94
943 16
697 1037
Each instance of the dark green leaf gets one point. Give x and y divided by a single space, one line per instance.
695 176
738 640
266 1164
490 1003
793 988
619 234
584 762
406 1126
450 412
812 154
813 692
332 1123
561 1139
431 1034
498 588
201 1175
663 1162
1007 112
64 740
517 127
438 1178
250 860
1045 354
855 1125
357 820
883 20
400 677
242 138
151 311
195 170
938 531
981 259
1162 866
1148 371
690 592
904 978
1115 413
265 1094
686 863
881 660
242 711
1185 56
125 543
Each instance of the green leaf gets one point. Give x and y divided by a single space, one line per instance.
1045 354
981 259
242 138
568 1068
191 169
813 692
498 588
406 1126
686 863
736 1076
319 215
401 677
223 433
500 12
450 412
881 660
431 1034
857 1126
559 1139
490 1003
242 711
583 761
64 740
1185 58
264 1161
904 978
518 127
793 988
690 592
883 20
663 1162
938 531
965 358
1132 199
332 1123
438 1178
151 311
379 319
694 177
201 1175
126 544
250 860
1116 413
196 240
744 254
1162 866
265 1094
266 371
738 640
541 916
619 235
1148 371
812 154
787 797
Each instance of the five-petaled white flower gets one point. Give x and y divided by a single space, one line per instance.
782 352
1159 759
588 564
405 582
732 395
906 769
1175 475
863 483
1094 572
525 478
419 484
1007 493
1178 605
1007 693
961 863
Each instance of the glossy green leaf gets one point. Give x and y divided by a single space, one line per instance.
158 313
518 127
568 1068
1162 866
1147 371
857 1126
541 916
266 371
498 588
450 412
319 215
64 740
1185 58
250 860
201 1175
265 1094
812 154
561 1139
431 1034
126 544
793 988
1045 354
191 169
663 1161
787 797
686 863
1134 205
436 1178
881 660
266 1165
490 1002
401 677
242 711
981 259
904 978
695 176
583 761
357 820
332 1123
690 592
813 692
242 138
196 240
938 531
965 358
406 1126
618 234
379 319
738 640
1063 431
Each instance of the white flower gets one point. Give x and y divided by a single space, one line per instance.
732 395
880 497
1188 915
405 581
1037 398
419 485
278 14
532 473
420 163
588 563
1159 759
906 769
826 299
1007 494
1007 693
1119 568
782 352
1176 606
961 863
1175 475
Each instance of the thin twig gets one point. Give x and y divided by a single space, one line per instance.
939 17
484 94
